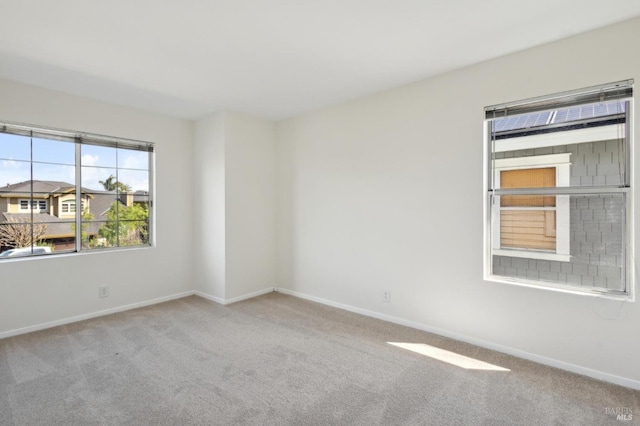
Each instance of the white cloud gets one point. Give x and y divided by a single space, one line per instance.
10 164
134 160
14 172
89 160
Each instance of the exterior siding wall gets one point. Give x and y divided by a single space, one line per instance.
597 222
13 206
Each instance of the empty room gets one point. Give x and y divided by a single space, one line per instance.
319 212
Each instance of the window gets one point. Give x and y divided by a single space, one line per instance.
70 206
49 172
532 226
558 191
37 205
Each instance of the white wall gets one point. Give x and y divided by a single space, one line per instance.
209 206
234 165
251 205
39 291
386 192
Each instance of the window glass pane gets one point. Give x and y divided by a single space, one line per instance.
527 201
68 207
97 204
13 172
133 232
19 237
50 178
141 197
543 177
15 147
59 233
116 220
593 135
528 229
121 224
98 156
130 159
92 237
134 180
49 151
592 164
15 233
99 179
115 233
597 242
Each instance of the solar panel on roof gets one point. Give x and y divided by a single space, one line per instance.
565 115
588 111
521 121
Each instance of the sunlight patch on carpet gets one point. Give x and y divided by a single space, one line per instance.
448 356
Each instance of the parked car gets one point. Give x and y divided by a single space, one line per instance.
26 251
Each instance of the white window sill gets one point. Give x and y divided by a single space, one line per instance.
532 254
560 288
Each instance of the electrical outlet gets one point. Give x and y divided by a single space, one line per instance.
386 295
103 291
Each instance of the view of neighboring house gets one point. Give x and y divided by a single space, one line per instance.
572 239
51 206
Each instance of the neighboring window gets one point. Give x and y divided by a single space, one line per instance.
558 191
110 178
70 206
36 205
532 226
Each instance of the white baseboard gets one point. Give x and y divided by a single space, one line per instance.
209 297
233 299
622 381
90 315
611 378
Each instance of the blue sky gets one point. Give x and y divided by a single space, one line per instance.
54 160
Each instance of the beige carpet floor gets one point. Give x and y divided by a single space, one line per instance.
279 360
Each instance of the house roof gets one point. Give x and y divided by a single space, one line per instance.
39 187
57 227
141 197
100 204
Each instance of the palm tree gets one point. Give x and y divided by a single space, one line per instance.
123 187
110 184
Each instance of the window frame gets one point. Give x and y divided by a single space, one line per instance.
68 205
33 201
84 139
621 91
561 163
71 206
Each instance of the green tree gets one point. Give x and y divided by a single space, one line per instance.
126 226
110 184
86 237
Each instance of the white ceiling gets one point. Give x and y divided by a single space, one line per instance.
270 58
